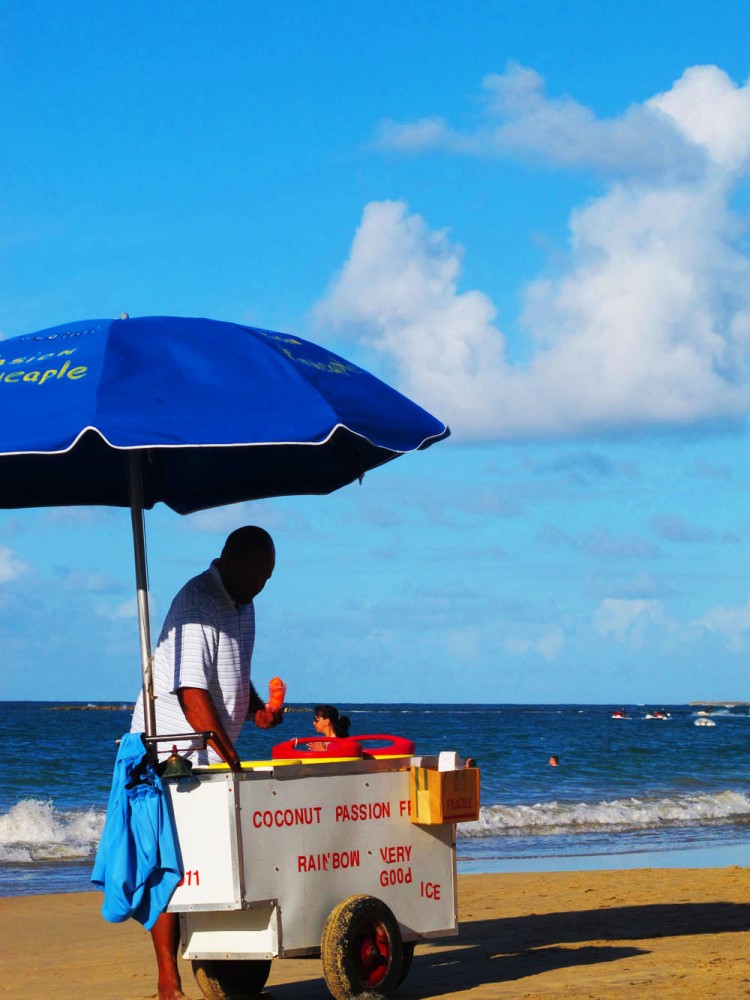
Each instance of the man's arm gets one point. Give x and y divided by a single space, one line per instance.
256 702
199 710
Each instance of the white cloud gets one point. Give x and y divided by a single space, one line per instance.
641 621
92 583
398 293
549 645
629 621
10 567
464 645
413 137
647 322
730 622
521 120
125 610
707 107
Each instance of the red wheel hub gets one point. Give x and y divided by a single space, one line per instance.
372 953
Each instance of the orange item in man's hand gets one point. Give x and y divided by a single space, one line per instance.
276 692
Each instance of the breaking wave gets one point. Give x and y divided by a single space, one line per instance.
616 816
35 830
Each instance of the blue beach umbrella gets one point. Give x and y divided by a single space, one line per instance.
193 413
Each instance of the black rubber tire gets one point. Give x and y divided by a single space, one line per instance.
408 949
231 979
361 950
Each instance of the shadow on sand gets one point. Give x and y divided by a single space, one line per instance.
510 949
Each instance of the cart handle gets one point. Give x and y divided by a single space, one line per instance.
151 741
181 738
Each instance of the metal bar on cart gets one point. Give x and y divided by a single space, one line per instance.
164 737
179 737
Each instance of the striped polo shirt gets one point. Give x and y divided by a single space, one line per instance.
206 642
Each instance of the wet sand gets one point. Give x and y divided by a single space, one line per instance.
601 934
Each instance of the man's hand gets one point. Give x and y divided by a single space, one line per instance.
264 718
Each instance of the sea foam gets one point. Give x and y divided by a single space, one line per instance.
618 815
35 830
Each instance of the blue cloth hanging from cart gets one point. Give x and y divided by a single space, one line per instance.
138 864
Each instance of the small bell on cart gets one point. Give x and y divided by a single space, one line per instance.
176 766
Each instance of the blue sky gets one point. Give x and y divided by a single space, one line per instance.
530 217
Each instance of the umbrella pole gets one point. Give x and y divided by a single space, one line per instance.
135 491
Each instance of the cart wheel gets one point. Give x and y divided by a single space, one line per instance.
408 947
361 950
231 979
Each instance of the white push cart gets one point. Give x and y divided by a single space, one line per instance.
321 857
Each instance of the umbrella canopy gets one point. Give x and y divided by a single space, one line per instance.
223 413
192 412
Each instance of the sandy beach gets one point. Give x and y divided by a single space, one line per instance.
645 933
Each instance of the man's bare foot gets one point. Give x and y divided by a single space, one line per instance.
171 993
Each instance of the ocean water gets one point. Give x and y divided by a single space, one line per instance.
623 789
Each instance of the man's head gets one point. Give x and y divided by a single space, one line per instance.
246 563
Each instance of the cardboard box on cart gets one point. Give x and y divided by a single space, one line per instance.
444 796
